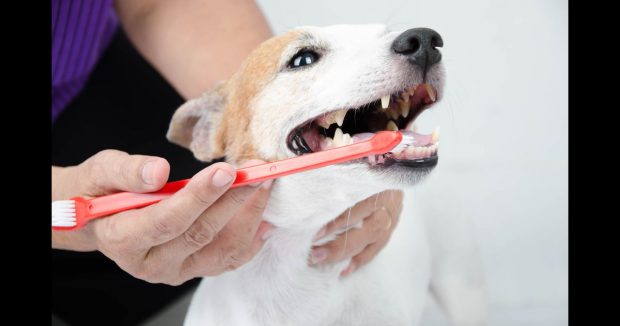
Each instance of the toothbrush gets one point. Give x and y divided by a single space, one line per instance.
75 213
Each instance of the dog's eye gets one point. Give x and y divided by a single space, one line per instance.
304 58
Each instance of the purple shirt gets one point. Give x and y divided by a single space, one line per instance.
81 30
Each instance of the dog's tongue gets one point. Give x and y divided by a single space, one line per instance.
418 139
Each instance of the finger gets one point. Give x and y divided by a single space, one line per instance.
207 227
111 170
159 223
238 242
365 256
352 215
355 240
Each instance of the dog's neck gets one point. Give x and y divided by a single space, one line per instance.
299 206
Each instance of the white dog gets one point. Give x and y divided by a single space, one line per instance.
308 90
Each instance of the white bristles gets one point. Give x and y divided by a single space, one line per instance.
404 143
63 213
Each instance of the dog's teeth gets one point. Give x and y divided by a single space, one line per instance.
394 114
431 92
385 102
338 137
435 136
346 139
329 143
339 117
409 151
404 108
391 126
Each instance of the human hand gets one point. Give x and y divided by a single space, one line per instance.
204 229
380 214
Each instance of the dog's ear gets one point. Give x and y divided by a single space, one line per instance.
194 124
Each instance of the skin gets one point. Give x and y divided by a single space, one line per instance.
206 228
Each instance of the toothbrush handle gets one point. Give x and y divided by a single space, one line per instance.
380 143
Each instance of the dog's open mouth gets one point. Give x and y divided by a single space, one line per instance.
394 112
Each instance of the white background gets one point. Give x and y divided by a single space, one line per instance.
504 131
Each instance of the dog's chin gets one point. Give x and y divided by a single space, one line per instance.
402 174
392 174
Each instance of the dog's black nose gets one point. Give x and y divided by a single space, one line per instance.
420 46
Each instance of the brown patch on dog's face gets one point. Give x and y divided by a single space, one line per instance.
256 71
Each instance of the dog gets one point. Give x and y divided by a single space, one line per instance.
308 90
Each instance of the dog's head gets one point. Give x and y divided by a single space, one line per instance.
314 88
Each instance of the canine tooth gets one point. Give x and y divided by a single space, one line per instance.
435 136
338 137
404 108
391 126
339 117
385 101
431 92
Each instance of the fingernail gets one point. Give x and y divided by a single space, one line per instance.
320 234
147 172
318 255
348 270
267 184
221 178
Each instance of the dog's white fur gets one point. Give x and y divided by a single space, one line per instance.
277 287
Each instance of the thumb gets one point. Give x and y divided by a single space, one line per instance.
112 171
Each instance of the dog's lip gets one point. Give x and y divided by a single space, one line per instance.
305 138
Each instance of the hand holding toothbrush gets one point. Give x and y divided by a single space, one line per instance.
196 227
204 229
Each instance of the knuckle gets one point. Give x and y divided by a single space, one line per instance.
176 281
164 227
235 255
200 197
381 220
200 234
258 207
235 198
147 272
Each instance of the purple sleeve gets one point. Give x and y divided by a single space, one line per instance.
81 30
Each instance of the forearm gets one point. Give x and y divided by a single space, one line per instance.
193 43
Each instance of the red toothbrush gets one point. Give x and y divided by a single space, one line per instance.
76 212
